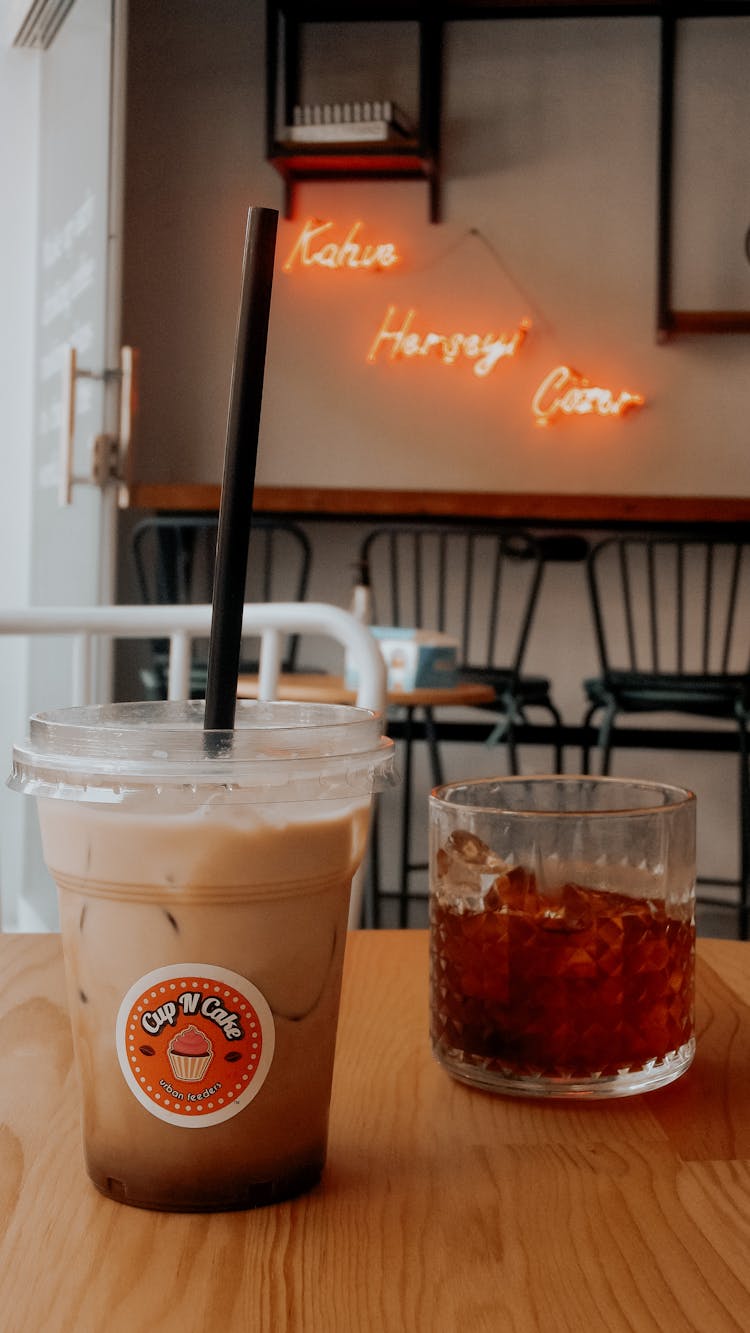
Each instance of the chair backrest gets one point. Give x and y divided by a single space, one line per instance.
478 584
174 557
271 623
677 605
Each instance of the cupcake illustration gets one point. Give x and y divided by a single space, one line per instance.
190 1053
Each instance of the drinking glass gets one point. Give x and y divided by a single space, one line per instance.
562 934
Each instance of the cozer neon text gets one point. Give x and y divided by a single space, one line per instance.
565 392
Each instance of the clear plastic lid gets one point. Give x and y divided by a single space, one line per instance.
277 751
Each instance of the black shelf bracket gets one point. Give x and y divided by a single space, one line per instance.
671 322
413 160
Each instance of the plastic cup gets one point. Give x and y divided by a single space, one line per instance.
203 881
562 934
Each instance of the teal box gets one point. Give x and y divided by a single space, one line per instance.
414 658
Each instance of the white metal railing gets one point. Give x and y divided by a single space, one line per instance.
271 622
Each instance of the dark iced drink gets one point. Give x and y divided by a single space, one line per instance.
560 986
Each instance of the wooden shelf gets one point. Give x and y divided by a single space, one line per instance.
530 507
705 321
320 161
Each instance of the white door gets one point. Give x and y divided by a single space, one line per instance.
71 559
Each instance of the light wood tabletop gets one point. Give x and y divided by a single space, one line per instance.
442 1208
323 688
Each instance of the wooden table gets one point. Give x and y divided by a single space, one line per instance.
442 1208
320 687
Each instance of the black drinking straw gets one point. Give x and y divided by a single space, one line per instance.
238 483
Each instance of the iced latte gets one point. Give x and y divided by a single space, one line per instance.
204 896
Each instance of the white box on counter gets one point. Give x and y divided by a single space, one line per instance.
414 658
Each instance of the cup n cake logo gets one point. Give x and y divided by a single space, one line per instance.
194 1043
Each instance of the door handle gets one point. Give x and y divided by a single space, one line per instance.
67 427
128 410
110 454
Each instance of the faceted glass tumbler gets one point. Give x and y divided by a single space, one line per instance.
562 934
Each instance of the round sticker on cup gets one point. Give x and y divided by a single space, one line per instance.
195 1043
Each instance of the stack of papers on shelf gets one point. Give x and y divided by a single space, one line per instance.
348 122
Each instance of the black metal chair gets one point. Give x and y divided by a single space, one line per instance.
480 585
173 557
672 622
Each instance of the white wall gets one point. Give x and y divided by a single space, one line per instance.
19 109
550 149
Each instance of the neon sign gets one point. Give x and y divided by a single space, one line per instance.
485 351
311 250
566 392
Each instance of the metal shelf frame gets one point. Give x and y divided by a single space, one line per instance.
420 160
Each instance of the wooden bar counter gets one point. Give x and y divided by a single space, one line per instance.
442 1208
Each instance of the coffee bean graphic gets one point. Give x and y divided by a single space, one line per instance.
146 1050
232 1056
